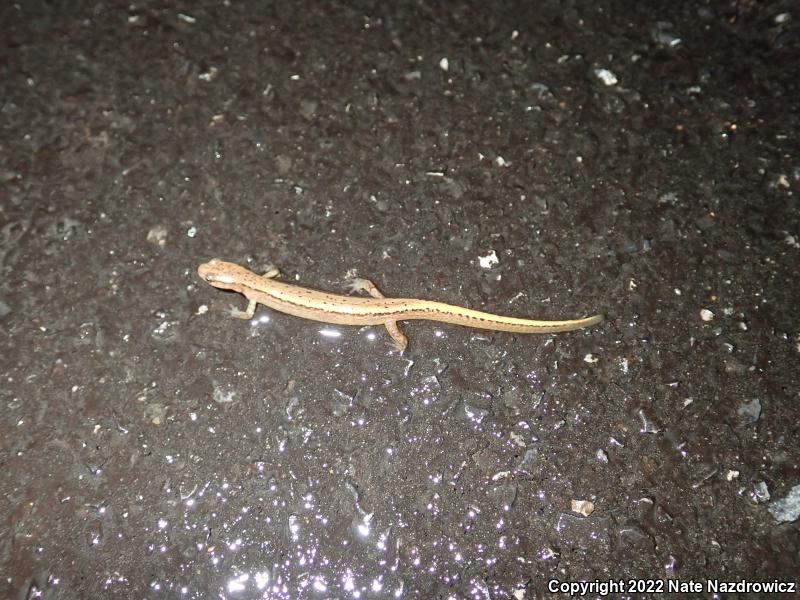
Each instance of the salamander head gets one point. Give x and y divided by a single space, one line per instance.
222 274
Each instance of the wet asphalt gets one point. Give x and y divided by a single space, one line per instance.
548 160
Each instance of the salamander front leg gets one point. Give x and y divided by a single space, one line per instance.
248 312
365 285
272 272
245 314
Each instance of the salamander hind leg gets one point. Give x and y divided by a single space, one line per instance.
272 272
399 339
364 285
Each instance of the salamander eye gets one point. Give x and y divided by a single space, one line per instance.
209 277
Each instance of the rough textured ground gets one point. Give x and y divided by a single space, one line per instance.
636 159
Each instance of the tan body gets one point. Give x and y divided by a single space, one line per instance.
376 310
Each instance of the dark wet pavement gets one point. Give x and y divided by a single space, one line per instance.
549 160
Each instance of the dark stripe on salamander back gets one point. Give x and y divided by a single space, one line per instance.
439 311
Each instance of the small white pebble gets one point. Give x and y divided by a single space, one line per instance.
517 439
489 261
444 64
209 75
606 76
590 358
158 235
706 315
583 507
731 475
